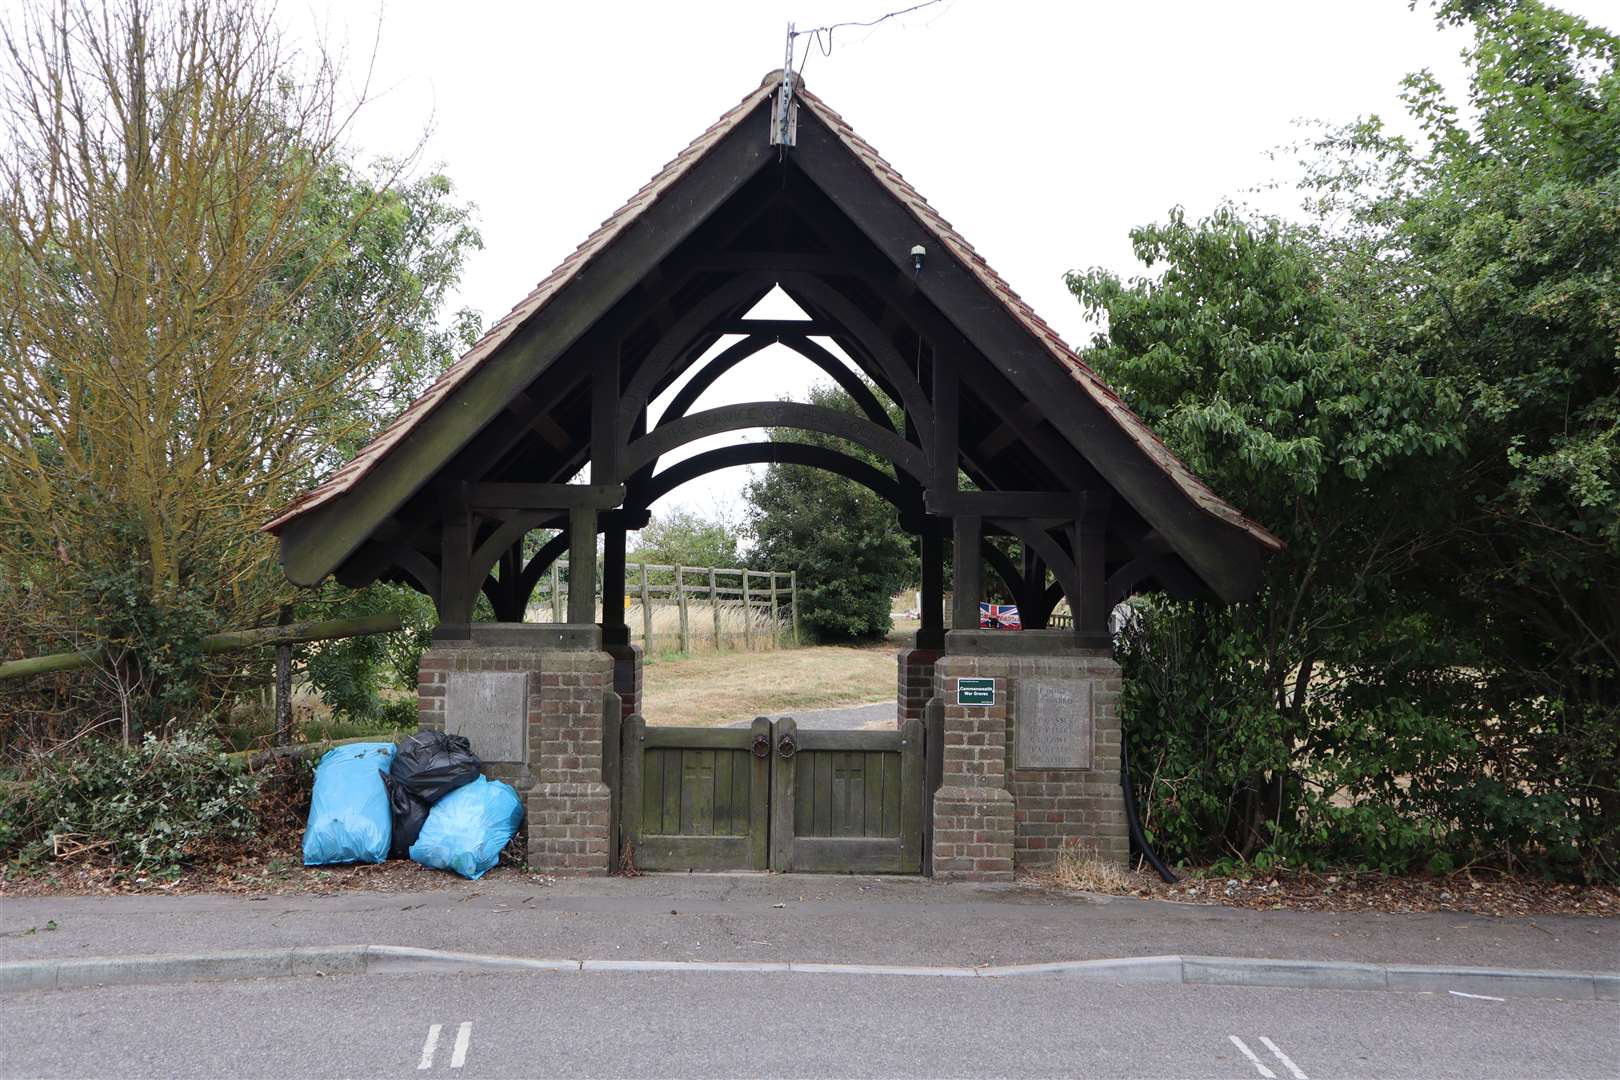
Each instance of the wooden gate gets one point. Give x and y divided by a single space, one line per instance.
773 797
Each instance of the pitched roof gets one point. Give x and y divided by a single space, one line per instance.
351 474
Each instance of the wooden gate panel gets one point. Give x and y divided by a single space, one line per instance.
847 801
694 798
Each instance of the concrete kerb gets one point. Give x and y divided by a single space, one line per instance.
24 975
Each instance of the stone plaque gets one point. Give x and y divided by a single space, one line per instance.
1054 724
491 708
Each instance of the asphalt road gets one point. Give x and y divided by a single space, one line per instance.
618 1024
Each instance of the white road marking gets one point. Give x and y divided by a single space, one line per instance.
458 1056
1256 1062
429 1048
1476 997
1284 1058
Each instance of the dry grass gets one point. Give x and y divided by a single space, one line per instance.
736 633
709 690
1078 867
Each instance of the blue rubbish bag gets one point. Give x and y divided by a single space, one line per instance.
349 817
466 830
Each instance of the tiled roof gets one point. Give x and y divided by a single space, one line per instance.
350 474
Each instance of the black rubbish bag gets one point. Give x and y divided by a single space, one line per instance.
431 764
409 815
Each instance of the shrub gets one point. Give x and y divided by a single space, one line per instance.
152 808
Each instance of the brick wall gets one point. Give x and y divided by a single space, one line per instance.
990 817
567 804
916 682
973 810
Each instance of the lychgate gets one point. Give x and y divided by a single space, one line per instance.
1008 744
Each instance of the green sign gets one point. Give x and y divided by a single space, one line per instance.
975 691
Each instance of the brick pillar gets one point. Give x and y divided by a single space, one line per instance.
916 682
1067 792
549 743
570 809
973 810
627 676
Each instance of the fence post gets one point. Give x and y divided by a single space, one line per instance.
793 599
284 710
680 601
646 612
556 591
714 606
776 630
748 615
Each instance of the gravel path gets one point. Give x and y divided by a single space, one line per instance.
878 714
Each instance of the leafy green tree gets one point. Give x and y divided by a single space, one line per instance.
1250 367
683 537
1488 252
844 541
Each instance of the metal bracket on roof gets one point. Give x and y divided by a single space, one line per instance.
785 114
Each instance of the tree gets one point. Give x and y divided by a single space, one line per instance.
682 537
1250 367
205 303
1418 389
844 540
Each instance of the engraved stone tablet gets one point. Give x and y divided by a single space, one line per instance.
491 709
1054 724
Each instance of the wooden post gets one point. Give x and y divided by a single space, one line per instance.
556 591
284 711
582 564
968 571
931 602
613 576
776 631
714 607
646 611
793 599
748 615
680 602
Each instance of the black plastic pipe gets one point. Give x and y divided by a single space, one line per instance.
1134 820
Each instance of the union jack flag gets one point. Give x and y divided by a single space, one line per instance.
999 617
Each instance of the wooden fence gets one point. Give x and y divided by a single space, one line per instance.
759 607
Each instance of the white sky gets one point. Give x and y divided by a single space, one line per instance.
1042 130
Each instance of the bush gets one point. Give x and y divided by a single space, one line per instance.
152 809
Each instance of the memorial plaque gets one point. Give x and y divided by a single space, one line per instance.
491 709
1054 724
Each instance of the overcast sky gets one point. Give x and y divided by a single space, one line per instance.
1042 130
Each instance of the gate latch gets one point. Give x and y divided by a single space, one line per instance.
786 747
762 745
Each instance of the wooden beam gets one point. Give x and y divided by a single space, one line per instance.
777 327
582 564
1058 505
485 496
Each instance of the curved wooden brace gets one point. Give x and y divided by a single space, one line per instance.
842 311
819 457
1166 568
731 357
542 560
881 441
1005 570
736 292
506 534
1056 558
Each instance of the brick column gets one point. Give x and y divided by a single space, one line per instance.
1080 805
570 809
916 682
551 746
973 810
627 676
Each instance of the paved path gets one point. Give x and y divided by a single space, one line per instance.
878 714
666 1024
811 918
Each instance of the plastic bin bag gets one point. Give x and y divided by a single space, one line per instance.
467 829
431 764
349 817
409 814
